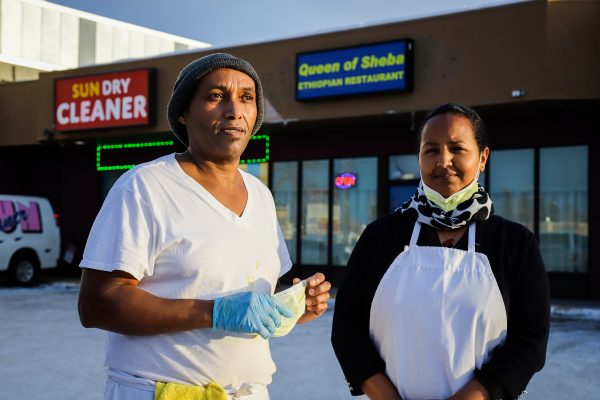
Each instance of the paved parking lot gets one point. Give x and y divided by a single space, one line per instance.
46 354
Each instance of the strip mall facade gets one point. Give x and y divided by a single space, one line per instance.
338 147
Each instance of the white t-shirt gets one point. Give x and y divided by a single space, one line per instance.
165 229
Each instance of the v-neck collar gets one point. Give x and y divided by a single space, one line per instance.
219 207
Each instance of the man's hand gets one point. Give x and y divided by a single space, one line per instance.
249 312
317 294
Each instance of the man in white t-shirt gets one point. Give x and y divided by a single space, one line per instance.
184 256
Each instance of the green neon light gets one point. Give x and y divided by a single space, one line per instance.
122 146
267 139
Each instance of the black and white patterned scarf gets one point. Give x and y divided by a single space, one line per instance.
478 208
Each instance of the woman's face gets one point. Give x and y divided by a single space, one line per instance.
449 155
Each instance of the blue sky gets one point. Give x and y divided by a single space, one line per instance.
228 22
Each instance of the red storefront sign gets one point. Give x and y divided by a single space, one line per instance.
345 181
102 100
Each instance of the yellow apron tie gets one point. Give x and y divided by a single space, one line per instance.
179 391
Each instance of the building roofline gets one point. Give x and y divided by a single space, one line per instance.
98 18
387 21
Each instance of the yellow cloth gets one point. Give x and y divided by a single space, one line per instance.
179 391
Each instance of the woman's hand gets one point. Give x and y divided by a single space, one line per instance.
379 387
471 391
317 294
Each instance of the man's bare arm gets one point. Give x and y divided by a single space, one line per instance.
112 301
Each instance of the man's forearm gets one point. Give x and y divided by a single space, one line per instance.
132 311
123 308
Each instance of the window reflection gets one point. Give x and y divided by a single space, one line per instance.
259 170
108 180
564 208
353 207
315 212
512 185
400 194
405 167
285 192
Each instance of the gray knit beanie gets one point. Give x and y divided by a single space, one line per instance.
188 78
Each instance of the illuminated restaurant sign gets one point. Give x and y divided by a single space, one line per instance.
103 100
381 67
345 180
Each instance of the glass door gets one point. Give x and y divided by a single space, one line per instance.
400 192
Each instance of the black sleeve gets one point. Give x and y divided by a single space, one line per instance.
494 387
524 351
350 338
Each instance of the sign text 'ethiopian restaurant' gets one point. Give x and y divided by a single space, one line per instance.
380 67
103 100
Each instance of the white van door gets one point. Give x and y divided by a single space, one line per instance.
29 237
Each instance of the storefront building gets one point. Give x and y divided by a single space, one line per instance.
338 148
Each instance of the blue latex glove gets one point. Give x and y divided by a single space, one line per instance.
249 312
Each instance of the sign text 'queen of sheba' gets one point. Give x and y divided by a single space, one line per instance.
103 100
380 67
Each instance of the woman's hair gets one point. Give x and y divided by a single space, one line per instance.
465 111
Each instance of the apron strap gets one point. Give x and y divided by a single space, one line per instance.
415 233
472 237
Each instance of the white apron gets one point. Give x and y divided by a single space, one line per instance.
436 316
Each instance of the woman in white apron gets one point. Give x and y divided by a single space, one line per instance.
443 299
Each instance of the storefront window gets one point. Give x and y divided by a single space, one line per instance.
404 167
404 175
261 171
512 185
354 203
108 180
564 208
285 192
315 215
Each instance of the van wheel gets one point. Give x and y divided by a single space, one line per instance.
23 271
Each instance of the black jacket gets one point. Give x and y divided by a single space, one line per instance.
519 271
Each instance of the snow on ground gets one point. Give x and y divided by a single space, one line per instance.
564 311
46 354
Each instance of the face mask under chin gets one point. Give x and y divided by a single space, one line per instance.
451 202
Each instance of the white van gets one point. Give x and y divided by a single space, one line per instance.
29 237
